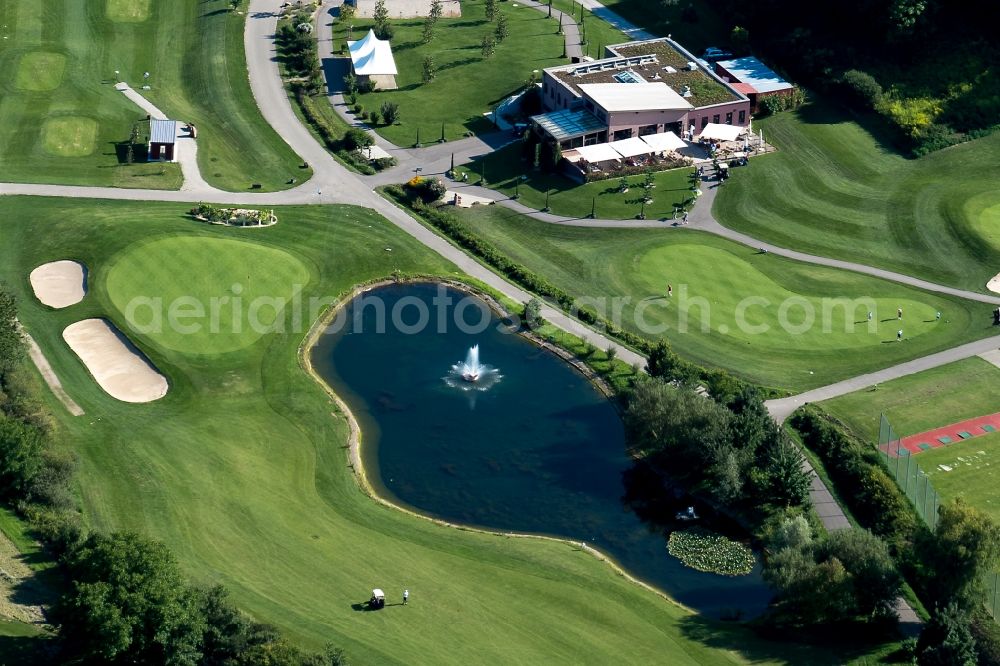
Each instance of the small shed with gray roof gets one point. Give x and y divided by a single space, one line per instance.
162 140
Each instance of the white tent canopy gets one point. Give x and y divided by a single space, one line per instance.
663 142
599 152
372 56
721 132
631 147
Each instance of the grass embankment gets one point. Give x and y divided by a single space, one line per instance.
467 85
712 279
566 197
64 121
929 399
836 190
241 469
694 25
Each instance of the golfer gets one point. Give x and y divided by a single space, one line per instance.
406 596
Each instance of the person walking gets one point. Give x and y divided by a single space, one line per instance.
938 316
406 596
685 217
899 313
670 291
899 335
870 315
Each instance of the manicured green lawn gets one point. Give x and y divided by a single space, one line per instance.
214 276
566 197
467 85
63 119
929 399
241 470
833 189
968 469
732 307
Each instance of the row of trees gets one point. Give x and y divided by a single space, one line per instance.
124 600
298 51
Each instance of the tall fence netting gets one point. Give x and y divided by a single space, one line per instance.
917 487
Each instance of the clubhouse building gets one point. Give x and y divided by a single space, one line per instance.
636 90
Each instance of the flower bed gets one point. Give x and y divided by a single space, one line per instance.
234 217
711 552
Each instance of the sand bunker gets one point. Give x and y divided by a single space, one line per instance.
994 284
123 371
59 284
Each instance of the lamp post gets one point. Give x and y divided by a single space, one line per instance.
550 8
117 76
593 208
546 209
442 140
417 144
482 172
517 181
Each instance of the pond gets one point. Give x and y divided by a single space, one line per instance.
542 450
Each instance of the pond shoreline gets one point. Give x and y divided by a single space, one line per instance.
355 440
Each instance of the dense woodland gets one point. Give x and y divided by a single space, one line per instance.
927 67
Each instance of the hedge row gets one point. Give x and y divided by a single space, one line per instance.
856 468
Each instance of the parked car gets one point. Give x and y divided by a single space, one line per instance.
712 53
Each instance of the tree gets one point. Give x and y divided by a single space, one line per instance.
739 38
664 362
946 640
356 138
21 462
437 10
351 83
380 18
128 604
875 580
488 46
12 346
533 314
785 483
967 547
904 14
550 155
390 113
502 29
429 69
492 10
428 31
673 425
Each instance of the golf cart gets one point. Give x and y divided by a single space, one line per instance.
378 599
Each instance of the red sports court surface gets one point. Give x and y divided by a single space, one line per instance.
956 432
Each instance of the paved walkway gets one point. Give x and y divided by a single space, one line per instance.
782 409
634 32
